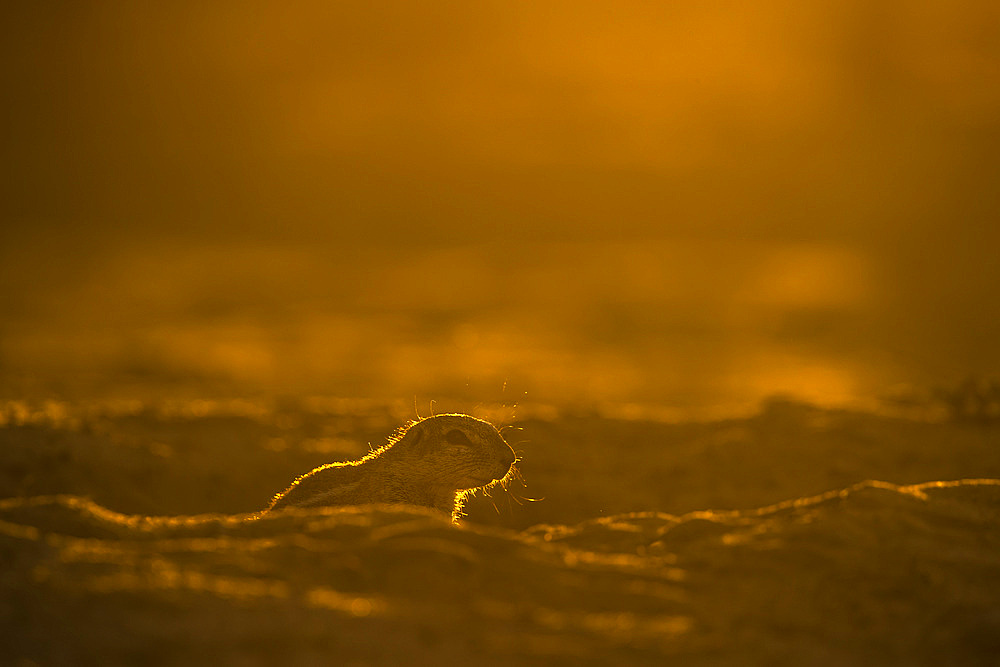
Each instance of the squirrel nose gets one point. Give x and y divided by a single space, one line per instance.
510 457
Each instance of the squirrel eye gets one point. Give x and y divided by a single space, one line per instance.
456 437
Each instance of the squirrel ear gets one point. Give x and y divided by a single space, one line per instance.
414 439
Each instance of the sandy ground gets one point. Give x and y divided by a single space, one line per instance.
126 538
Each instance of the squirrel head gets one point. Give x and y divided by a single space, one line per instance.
465 451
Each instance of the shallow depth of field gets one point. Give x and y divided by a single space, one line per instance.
725 276
797 534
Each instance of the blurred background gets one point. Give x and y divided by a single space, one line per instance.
555 202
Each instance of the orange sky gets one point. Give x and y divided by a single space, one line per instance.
832 155
782 118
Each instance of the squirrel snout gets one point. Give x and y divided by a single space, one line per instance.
509 457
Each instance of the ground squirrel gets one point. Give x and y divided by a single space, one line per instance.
434 462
